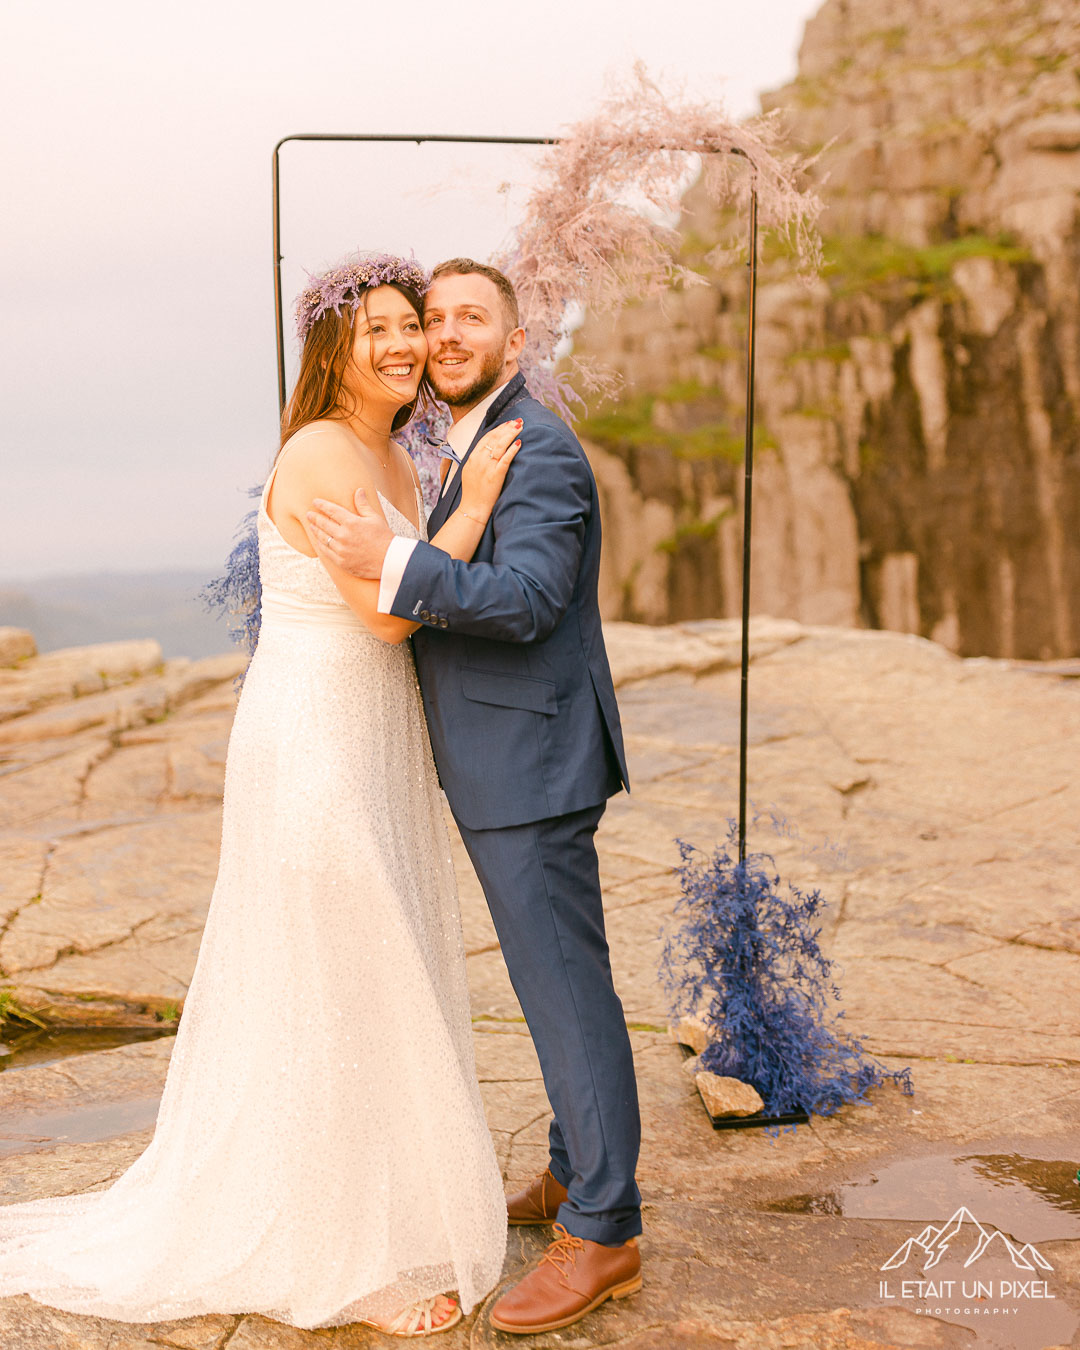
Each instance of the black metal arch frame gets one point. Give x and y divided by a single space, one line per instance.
751 264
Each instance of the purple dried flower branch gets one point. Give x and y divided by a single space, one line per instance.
344 285
237 593
593 230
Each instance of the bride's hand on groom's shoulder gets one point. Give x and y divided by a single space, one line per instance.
484 472
357 543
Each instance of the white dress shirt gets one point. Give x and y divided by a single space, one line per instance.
459 438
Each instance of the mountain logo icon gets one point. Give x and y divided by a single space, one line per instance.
964 1233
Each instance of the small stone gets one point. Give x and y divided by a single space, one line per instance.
690 1031
727 1096
691 1066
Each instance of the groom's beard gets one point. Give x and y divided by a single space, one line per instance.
486 380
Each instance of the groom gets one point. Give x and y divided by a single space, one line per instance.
525 732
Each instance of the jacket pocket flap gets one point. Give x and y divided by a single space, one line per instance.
508 691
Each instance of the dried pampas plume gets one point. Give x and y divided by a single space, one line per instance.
594 230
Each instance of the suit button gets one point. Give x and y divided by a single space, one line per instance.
425 616
443 623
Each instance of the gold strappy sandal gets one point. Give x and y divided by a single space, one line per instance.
423 1309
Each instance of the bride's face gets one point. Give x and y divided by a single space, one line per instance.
389 350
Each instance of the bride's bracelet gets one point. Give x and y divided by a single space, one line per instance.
478 520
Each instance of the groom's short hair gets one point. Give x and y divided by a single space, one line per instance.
464 267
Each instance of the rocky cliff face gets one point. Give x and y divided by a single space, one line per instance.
918 455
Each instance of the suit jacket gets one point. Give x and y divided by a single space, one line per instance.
514 675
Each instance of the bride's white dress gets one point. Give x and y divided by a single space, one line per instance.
321 1152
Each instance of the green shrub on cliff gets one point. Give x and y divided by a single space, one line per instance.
631 424
858 262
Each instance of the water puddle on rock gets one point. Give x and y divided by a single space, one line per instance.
1032 1195
968 1246
36 1048
30 1131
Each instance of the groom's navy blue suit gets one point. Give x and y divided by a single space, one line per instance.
526 736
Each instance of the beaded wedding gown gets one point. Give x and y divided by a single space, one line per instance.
320 1153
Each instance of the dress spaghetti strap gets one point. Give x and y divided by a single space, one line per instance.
280 456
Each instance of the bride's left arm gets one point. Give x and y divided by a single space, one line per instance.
482 479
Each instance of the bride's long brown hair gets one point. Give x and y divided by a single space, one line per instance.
320 389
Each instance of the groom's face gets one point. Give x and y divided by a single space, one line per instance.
468 337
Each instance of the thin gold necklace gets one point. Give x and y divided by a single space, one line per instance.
384 462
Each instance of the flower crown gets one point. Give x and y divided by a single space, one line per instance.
345 285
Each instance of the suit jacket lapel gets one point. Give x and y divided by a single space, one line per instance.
514 390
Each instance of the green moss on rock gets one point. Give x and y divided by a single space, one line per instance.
861 262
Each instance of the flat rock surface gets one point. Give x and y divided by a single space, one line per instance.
934 801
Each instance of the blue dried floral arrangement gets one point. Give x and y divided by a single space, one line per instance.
746 959
237 593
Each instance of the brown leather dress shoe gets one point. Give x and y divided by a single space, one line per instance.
574 1277
538 1203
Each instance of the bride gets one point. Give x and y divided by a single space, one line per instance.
320 1154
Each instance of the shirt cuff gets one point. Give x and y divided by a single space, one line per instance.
397 557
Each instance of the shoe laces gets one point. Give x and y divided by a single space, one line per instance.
563 1251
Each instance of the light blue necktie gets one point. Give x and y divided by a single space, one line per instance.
447 451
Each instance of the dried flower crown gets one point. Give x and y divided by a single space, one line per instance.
345 285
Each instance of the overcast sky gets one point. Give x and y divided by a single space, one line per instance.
137 346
